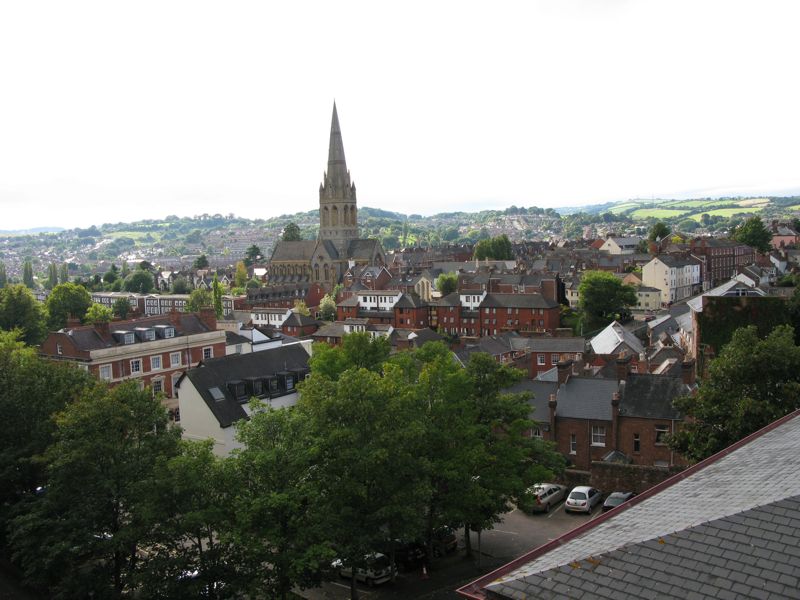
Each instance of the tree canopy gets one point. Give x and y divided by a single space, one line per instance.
496 248
447 283
750 384
602 297
252 255
291 233
327 308
199 299
201 262
20 310
754 233
658 232
65 301
139 282
98 313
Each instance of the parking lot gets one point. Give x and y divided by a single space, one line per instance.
515 535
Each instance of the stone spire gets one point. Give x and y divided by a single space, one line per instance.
338 212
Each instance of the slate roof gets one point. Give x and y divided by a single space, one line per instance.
217 372
362 249
569 345
410 301
586 398
612 338
650 396
231 339
541 391
517 301
293 251
87 337
726 289
453 299
298 320
678 540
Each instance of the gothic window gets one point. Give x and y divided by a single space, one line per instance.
327 273
335 216
325 217
345 215
353 215
316 272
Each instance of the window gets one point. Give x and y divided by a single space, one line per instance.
208 352
129 338
554 359
661 435
573 443
136 365
169 332
598 435
536 432
157 385
637 443
174 359
105 372
155 363
59 349
238 348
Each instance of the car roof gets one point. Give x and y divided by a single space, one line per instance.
581 488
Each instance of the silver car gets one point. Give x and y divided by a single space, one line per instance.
582 499
541 497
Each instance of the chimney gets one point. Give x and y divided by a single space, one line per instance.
687 372
552 406
549 290
623 364
102 328
174 317
564 371
615 420
73 322
209 317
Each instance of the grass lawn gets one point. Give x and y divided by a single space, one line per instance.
727 212
657 213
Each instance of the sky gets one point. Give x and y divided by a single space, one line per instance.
114 111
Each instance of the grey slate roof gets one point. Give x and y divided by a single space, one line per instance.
650 396
569 345
586 398
615 338
87 337
517 301
541 391
293 251
678 540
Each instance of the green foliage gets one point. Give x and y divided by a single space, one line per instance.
180 285
240 277
139 282
199 299
603 297
27 274
753 382
358 351
20 310
252 255
52 276
291 233
216 293
3 276
98 313
659 231
63 274
65 301
754 233
327 308
496 248
201 262
121 308
253 284
301 308
447 283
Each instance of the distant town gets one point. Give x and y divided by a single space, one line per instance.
352 394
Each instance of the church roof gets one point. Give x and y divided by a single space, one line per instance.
294 250
362 249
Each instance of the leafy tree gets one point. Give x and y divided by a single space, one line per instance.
121 308
145 265
199 299
240 277
751 383
447 283
496 248
754 233
20 310
63 275
180 285
358 351
27 274
327 308
139 282
3 276
278 501
659 231
126 269
52 276
111 275
602 297
301 308
80 539
65 301
252 255
98 313
291 233
201 262
216 293
253 284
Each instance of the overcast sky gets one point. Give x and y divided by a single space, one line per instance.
114 111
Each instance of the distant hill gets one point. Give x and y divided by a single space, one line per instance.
32 231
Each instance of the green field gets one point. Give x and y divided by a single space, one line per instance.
657 213
135 235
623 207
696 203
727 212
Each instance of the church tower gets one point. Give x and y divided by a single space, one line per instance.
338 213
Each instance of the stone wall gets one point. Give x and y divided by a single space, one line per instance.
610 477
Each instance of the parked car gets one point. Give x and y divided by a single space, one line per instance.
377 569
407 555
582 499
615 499
444 541
541 497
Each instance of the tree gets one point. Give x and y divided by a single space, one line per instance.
327 308
447 283
199 299
216 293
80 539
111 275
63 275
98 313
145 265
126 269
27 274
252 255
496 248
180 285
121 308
658 232
240 277
52 276
301 308
201 262
753 233
139 282
602 297
20 310
67 300
291 233
253 284
751 383
3 276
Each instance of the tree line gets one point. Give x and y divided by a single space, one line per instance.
100 497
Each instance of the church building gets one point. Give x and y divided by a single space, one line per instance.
338 246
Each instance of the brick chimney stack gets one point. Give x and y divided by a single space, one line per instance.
551 404
687 371
623 366
209 317
615 420
564 370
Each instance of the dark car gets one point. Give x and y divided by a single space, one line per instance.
615 499
444 541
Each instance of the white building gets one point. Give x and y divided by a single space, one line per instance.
678 278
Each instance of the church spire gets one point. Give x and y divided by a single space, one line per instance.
338 210
337 166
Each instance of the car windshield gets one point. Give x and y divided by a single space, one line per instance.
379 562
615 500
578 496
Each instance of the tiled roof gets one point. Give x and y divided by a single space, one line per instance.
517 301
612 337
571 345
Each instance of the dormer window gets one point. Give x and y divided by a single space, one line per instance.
128 338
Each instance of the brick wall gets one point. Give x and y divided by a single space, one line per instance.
609 477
